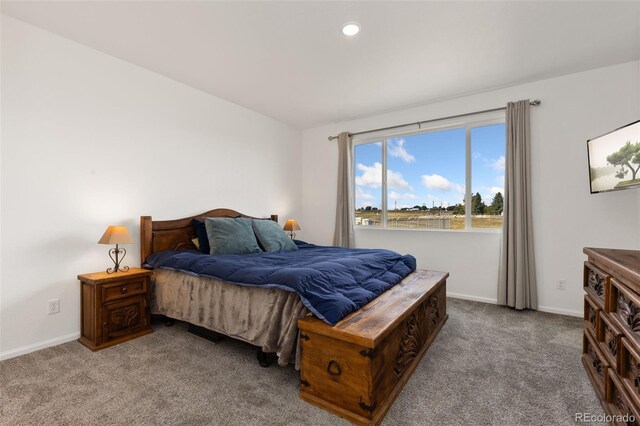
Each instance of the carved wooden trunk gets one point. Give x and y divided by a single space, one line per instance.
357 368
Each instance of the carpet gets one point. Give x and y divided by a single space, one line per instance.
489 365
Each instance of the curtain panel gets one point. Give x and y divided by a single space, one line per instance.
344 235
517 276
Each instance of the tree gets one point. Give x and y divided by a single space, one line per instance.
477 206
626 156
497 204
458 209
368 208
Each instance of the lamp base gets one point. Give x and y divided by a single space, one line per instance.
114 255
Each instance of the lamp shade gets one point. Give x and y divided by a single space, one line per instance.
116 235
291 225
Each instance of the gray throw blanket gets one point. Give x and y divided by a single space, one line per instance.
264 317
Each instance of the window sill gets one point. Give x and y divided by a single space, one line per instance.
452 231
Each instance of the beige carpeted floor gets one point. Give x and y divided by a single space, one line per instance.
489 365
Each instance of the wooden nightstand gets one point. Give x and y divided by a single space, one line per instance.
114 307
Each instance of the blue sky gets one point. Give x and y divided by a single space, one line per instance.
430 168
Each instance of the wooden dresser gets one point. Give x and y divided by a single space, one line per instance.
611 340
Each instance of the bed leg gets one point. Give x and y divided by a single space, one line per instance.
210 335
264 359
168 322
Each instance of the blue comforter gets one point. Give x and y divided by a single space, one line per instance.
331 281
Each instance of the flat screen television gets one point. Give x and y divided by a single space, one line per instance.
614 159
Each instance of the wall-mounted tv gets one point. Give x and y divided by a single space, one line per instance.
614 159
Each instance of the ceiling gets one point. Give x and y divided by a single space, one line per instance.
288 60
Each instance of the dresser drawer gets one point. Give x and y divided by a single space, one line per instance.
629 369
591 314
124 289
609 339
619 404
624 305
595 283
595 363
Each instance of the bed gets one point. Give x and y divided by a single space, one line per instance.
269 315
354 355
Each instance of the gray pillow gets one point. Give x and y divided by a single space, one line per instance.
272 237
231 235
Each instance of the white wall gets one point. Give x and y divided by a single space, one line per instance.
566 217
88 141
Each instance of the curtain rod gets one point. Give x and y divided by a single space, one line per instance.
419 123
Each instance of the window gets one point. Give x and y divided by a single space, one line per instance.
439 178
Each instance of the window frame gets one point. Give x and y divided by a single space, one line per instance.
468 123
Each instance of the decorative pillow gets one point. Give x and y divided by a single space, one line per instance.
231 235
271 236
201 233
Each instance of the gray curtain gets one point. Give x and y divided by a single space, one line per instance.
517 280
344 235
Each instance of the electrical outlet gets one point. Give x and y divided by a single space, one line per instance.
53 306
561 285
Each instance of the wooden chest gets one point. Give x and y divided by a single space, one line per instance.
357 368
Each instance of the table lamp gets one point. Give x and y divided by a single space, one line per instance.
291 226
116 235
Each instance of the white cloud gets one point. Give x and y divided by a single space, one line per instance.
397 149
495 189
362 195
500 180
440 183
372 177
393 195
498 164
396 181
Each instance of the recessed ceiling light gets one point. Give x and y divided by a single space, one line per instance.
350 29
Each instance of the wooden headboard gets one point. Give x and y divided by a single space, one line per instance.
158 235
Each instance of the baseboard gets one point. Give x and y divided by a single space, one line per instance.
472 298
567 312
22 350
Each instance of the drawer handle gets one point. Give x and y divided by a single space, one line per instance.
334 368
123 290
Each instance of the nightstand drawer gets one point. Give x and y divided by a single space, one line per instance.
123 289
124 317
